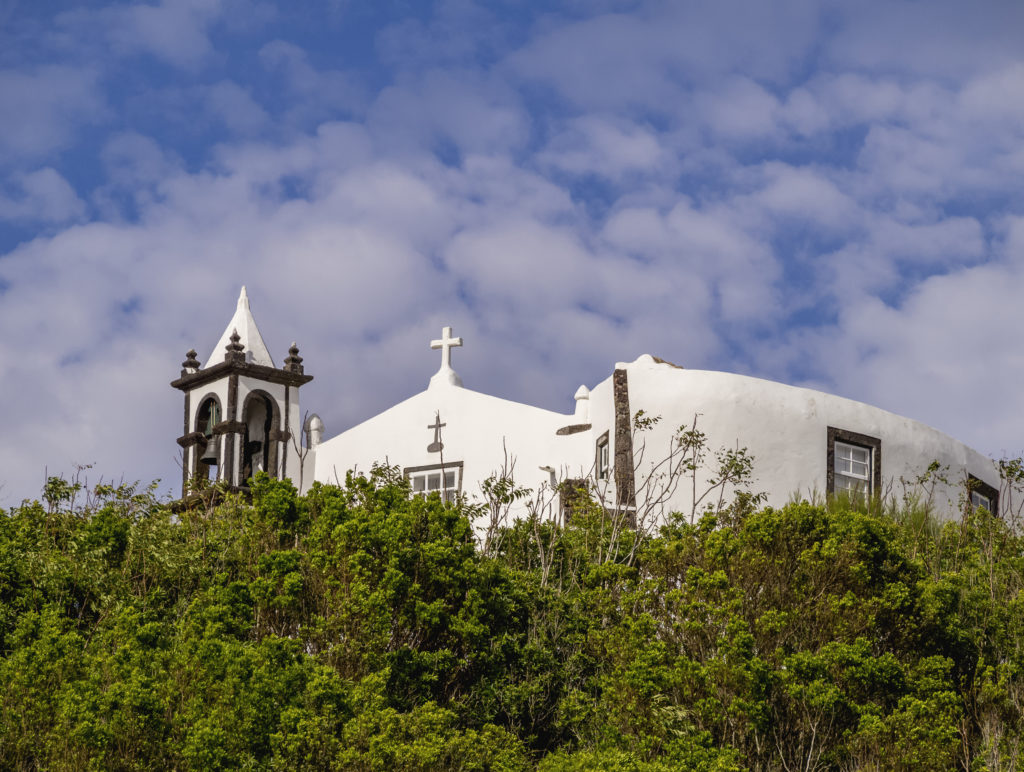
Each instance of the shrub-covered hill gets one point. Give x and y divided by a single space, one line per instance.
356 628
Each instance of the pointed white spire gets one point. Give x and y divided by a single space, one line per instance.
249 335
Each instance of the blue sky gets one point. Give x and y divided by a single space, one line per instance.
821 193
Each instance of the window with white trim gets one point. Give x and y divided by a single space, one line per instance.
982 494
979 499
854 463
603 459
443 479
852 469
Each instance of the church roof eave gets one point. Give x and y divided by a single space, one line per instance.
270 374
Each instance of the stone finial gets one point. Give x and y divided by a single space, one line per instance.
191 364
234 350
582 398
293 362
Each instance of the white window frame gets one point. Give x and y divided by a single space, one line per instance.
979 499
603 457
443 479
854 462
848 457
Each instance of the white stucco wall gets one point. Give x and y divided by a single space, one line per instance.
479 430
785 429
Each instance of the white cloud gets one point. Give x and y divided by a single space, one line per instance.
945 39
805 194
705 248
602 63
133 159
738 109
648 55
474 113
457 32
175 31
606 147
43 195
996 96
316 94
42 108
234 107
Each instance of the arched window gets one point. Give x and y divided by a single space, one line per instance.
259 452
207 417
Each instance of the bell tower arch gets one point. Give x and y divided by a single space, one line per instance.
241 410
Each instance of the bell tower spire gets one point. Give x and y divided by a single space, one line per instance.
249 336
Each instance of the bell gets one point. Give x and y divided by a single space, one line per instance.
209 455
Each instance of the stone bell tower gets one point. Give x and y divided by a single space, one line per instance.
241 411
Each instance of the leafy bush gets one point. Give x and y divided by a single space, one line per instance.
358 628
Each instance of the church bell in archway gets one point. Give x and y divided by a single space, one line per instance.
210 454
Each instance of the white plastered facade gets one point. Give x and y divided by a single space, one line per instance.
449 431
481 436
785 428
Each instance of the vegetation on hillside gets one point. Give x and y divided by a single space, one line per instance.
359 628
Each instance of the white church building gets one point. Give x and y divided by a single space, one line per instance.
242 415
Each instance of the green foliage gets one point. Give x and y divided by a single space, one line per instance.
358 628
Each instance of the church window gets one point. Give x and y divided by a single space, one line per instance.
854 463
207 417
853 468
982 494
443 479
258 450
603 461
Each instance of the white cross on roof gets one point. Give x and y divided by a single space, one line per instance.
446 343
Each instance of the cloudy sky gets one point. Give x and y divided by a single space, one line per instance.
822 193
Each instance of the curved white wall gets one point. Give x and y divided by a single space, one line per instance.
785 429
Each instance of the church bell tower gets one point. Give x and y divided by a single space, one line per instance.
241 411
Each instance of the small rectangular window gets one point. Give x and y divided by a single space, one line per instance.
853 468
982 494
603 460
445 479
980 500
854 462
